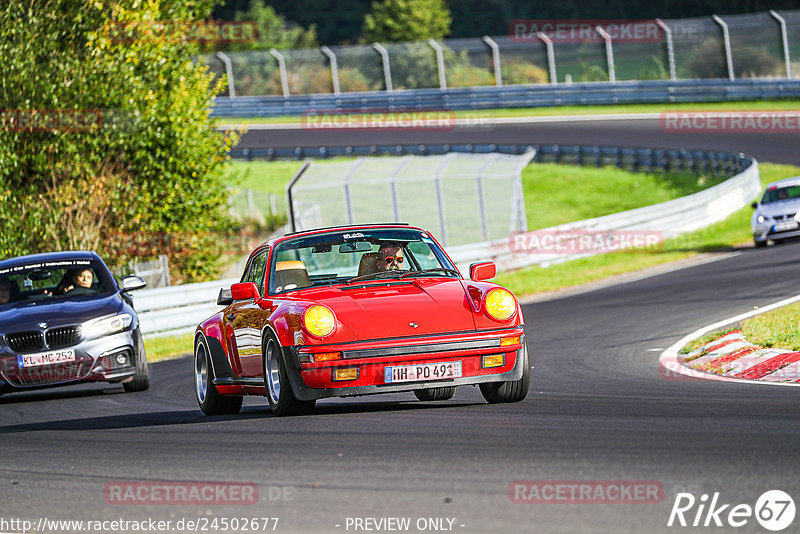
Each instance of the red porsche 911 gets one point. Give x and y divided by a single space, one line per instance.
359 310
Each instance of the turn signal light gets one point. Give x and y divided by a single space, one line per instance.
509 341
493 360
326 356
345 374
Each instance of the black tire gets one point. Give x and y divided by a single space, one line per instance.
760 244
276 381
435 394
209 399
141 380
510 391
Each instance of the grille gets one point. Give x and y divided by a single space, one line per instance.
64 336
48 374
25 341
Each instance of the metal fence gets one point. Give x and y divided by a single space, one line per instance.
759 45
465 198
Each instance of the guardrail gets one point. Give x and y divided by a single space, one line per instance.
179 309
518 96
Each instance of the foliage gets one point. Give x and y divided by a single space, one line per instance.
116 137
521 72
407 20
708 61
274 31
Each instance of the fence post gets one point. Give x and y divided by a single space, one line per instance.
612 76
498 74
726 37
437 181
785 41
251 207
551 57
334 68
439 63
348 200
228 72
387 71
670 48
282 68
289 200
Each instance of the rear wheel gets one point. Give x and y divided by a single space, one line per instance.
209 399
276 381
141 380
435 394
513 390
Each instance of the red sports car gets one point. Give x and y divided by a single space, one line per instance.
359 310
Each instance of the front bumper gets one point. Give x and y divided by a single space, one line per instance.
95 360
762 233
312 381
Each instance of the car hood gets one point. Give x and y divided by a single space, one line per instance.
24 316
781 207
399 309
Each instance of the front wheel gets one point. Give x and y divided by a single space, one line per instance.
141 380
209 399
276 381
760 244
513 390
435 394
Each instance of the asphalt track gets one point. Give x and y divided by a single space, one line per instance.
600 408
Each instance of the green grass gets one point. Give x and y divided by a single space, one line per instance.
556 194
733 231
778 329
264 176
760 105
168 347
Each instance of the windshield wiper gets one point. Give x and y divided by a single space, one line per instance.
377 275
435 270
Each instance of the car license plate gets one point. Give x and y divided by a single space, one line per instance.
785 226
423 371
46 358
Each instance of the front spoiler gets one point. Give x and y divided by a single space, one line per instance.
304 393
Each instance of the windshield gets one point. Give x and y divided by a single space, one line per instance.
783 193
52 280
351 256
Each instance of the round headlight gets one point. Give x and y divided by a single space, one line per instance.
500 304
761 219
319 321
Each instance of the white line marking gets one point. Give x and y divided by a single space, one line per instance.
669 358
657 349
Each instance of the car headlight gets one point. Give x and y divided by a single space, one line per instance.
500 304
761 219
319 321
109 325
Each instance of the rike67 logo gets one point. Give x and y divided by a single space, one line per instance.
774 510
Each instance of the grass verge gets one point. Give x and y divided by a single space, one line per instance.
760 105
724 235
168 347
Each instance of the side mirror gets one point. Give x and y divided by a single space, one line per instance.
244 291
224 298
132 283
754 205
484 270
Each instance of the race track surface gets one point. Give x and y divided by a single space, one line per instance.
600 408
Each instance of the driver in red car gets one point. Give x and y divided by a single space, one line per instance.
390 257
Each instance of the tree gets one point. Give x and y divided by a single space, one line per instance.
105 132
407 20
274 31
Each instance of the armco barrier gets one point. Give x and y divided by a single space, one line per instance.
177 309
180 309
517 96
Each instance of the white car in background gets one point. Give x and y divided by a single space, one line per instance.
777 214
